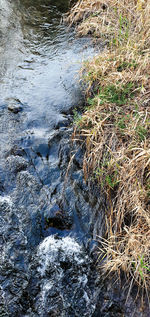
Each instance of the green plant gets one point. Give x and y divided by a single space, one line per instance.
141 132
123 28
125 64
76 117
121 124
142 267
112 180
115 94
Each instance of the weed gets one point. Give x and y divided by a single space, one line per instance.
142 132
116 95
116 129
123 28
76 116
121 124
142 267
124 65
112 180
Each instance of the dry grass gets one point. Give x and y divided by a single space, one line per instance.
116 127
116 21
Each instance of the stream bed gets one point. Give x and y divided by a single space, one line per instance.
45 270
48 219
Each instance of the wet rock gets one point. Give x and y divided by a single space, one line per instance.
78 158
15 108
17 151
14 105
16 163
5 204
28 182
64 153
3 310
1 186
13 261
63 122
27 198
59 135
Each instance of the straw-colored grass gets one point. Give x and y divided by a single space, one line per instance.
115 20
116 129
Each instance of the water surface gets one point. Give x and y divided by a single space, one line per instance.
39 84
39 58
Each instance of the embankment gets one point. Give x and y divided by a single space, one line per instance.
115 128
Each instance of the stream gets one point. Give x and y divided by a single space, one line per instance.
45 220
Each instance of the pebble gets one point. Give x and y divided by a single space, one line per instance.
15 108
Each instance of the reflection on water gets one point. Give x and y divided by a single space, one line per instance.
39 58
28 29
39 63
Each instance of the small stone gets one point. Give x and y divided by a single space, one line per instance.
15 108
62 123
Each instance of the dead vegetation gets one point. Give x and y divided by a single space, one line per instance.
116 128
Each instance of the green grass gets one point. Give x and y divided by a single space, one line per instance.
113 94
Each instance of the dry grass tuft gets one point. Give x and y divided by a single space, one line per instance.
116 128
115 20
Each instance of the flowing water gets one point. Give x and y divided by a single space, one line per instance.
45 222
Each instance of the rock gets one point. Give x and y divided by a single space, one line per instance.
63 122
78 158
15 108
16 163
16 151
13 261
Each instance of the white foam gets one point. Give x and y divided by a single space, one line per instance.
6 199
49 251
